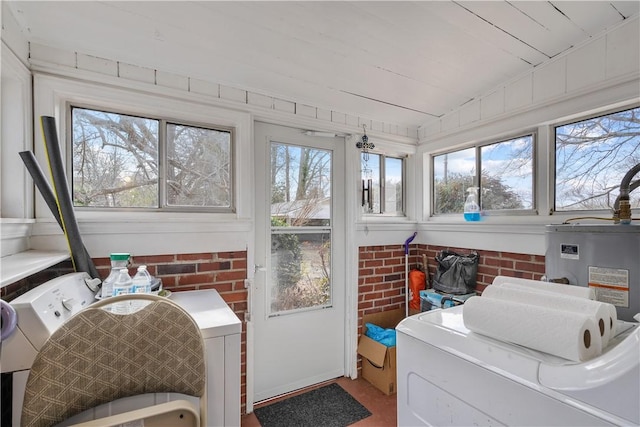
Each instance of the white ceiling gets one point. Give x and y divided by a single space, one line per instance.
397 62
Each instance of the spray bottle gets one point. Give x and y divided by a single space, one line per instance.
471 208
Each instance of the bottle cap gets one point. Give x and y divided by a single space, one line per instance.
120 257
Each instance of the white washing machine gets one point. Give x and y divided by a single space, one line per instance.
449 376
42 310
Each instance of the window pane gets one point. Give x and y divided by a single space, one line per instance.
507 174
300 256
199 166
453 174
393 191
301 270
370 172
592 156
115 159
300 186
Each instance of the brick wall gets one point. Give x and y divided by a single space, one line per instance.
222 271
381 273
492 264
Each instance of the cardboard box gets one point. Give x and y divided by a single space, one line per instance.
378 360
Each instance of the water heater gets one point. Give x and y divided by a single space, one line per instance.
606 258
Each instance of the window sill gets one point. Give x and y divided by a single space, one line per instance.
24 264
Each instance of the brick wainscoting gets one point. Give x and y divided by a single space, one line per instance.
222 271
381 273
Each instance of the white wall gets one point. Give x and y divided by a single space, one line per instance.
595 77
16 195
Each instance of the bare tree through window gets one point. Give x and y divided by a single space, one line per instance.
117 162
592 156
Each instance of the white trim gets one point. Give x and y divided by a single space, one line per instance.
263 111
145 232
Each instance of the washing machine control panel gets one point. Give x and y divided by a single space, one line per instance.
44 309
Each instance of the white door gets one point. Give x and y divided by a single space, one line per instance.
299 287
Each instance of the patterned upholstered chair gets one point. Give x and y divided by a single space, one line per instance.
99 356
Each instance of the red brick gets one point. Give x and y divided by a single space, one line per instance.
364 305
365 288
393 293
231 275
239 264
366 271
384 270
518 257
191 279
153 259
529 266
234 296
488 270
382 286
365 255
374 263
214 266
385 254
372 296
231 255
194 257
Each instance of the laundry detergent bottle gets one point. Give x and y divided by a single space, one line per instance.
471 208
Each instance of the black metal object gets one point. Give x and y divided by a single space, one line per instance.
49 197
79 256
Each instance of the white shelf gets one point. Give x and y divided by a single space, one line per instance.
18 266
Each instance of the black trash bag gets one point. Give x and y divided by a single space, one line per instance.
456 273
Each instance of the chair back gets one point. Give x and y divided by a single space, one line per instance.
99 356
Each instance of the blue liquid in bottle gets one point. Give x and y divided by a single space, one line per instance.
472 216
471 208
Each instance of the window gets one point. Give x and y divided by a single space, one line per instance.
505 182
592 156
125 161
382 184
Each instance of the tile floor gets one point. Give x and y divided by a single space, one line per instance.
381 406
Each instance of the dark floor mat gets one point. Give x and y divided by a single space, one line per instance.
328 406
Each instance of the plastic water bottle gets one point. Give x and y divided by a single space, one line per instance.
142 281
123 284
118 261
471 208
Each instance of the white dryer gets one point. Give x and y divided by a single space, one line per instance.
448 375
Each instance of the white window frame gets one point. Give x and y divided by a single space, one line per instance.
163 122
383 180
142 232
552 160
478 163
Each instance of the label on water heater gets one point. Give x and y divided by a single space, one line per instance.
611 285
569 251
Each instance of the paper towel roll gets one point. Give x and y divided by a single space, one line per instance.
598 311
577 291
564 334
613 315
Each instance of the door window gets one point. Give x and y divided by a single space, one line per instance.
300 228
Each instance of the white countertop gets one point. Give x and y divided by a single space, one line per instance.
24 264
212 314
